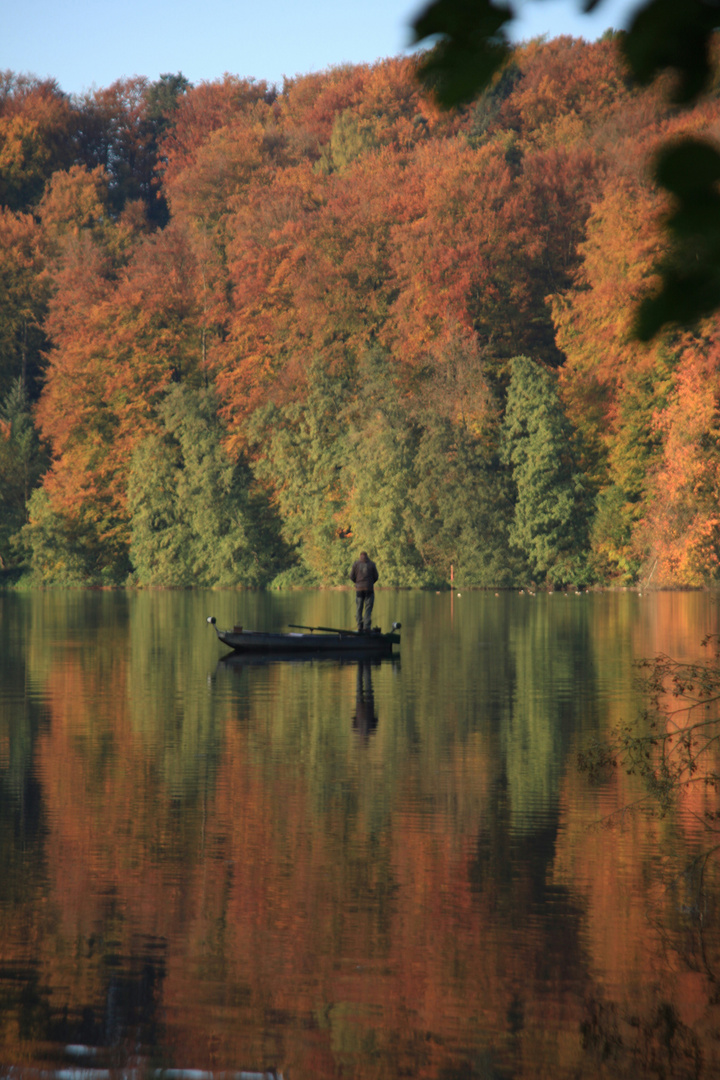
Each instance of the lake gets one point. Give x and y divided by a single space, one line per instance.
323 869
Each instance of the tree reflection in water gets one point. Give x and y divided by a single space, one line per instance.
343 870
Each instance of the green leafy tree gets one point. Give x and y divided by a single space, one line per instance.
549 526
425 489
365 463
71 549
197 516
383 478
351 137
160 540
302 451
163 97
462 506
22 462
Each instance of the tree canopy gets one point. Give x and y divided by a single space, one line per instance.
663 36
258 327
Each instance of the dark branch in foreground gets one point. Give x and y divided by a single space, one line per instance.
674 744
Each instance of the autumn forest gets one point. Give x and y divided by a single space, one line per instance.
247 330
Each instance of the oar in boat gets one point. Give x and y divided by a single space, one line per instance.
335 630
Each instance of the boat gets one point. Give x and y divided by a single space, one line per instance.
309 641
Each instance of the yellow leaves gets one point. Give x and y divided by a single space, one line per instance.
682 527
594 319
74 201
221 169
24 159
34 129
22 261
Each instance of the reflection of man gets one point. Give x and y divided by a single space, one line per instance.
364 574
364 721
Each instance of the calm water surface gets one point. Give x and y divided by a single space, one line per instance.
344 870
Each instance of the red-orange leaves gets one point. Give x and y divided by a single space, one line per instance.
76 324
464 256
119 337
204 109
595 318
566 87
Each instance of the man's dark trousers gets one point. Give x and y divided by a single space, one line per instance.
364 598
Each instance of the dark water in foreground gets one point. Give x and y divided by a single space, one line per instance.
333 870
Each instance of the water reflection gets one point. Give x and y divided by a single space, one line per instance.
201 870
365 718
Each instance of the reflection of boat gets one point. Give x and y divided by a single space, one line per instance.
320 641
240 660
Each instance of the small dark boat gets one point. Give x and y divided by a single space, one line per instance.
309 641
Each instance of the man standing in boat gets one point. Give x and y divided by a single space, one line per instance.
364 575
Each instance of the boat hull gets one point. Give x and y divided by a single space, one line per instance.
265 644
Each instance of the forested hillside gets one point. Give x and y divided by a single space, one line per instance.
246 331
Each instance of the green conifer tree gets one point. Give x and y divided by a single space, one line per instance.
197 516
302 452
22 462
550 522
160 540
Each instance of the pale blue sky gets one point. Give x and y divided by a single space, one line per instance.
85 43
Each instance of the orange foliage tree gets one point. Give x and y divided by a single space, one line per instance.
339 218
681 529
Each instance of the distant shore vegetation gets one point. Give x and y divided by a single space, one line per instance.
247 331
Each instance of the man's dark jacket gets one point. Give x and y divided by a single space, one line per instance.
364 574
